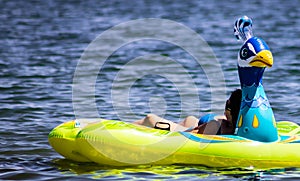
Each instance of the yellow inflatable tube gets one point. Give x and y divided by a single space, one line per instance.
117 143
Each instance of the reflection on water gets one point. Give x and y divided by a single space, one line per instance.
170 172
42 41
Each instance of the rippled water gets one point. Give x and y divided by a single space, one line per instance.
41 44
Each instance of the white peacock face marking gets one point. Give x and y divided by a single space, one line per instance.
246 55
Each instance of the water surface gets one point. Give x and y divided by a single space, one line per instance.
41 43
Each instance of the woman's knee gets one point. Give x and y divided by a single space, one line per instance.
191 118
149 116
190 121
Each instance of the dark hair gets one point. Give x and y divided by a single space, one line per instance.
233 104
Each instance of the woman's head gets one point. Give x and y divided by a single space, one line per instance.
233 106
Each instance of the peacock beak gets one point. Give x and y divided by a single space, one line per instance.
263 59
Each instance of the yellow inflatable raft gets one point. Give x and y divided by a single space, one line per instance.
117 143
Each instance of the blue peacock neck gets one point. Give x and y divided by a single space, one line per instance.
256 120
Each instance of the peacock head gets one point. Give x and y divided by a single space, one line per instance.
254 55
254 51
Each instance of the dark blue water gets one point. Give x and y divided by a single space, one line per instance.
41 43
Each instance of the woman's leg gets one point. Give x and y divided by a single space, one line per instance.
151 119
190 122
